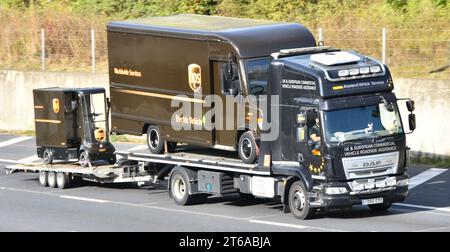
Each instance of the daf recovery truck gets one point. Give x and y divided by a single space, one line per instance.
341 139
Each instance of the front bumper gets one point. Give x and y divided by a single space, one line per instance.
389 194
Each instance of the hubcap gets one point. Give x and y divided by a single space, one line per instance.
154 138
179 188
83 159
246 147
299 200
42 177
59 179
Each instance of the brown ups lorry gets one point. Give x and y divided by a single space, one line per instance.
152 61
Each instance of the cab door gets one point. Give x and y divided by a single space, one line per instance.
225 137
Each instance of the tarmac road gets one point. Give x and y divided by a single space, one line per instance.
26 206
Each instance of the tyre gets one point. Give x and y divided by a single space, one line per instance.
62 180
247 148
155 140
43 178
112 160
84 159
47 156
299 202
380 207
51 178
179 190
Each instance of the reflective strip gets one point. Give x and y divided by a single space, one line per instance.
164 96
47 121
38 107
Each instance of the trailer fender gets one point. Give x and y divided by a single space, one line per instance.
192 178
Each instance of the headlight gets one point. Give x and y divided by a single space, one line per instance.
354 71
364 70
343 73
391 181
403 182
335 190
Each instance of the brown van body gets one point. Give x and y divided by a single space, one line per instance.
150 60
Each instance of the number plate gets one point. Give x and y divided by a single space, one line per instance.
372 201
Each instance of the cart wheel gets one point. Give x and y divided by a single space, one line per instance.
299 202
84 159
155 141
247 148
62 180
51 177
112 160
43 178
48 156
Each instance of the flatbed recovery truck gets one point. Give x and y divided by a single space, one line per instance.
344 98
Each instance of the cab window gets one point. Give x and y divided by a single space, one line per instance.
258 75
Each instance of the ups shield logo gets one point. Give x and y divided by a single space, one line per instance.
56 105
195 77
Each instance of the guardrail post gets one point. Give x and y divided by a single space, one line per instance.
93 49
320 34
42 49
383 46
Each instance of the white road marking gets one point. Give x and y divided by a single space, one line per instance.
83 199
424 177
278 224
139 147
10 161
433 229
28 160
445 209
14 141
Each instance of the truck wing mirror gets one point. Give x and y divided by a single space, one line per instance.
410 105
74 106
412 122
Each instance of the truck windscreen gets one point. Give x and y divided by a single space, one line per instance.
361 123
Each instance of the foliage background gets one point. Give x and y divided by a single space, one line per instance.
417 29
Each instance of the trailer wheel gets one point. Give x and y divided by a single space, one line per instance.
84 159
179 190
47 156
247 148
43 178
155 141
62 180
51 177
380 207
299 202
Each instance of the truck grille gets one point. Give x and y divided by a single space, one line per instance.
371 166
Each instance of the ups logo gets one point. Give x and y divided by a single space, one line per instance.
56 105
195 77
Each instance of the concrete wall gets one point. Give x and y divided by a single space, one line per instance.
432 99
16 96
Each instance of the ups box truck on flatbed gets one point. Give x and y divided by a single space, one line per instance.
155 61
340 139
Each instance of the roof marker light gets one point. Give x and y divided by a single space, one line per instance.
354 71
364 70
343 73
375 69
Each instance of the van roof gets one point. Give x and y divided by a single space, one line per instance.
250 37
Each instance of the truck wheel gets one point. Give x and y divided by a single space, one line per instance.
380 207
62 180
47 156
179 190
51 177
247 148
84 159
155 141
299 202
43 178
